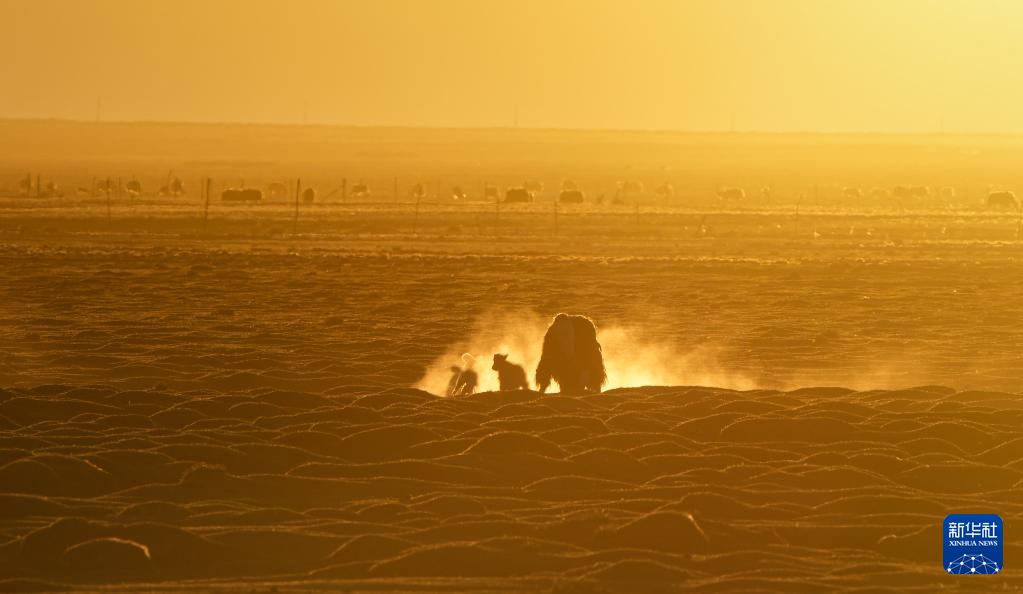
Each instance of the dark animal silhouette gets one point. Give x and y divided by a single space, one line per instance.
510 375
518 195
463 381
134 187
571 197
175 188
244 195
571 356
360 190
1002 200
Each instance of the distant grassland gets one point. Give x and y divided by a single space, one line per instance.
807 169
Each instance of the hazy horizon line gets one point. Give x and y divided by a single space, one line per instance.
514 128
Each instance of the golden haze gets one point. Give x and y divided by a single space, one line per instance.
768 65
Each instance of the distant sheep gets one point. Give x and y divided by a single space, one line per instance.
360 190
241 195
106 185
1002 200
175 188
571 356
731 193
509 375
134 187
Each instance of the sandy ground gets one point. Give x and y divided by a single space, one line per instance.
795 400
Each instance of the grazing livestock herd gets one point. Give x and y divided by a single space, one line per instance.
626 191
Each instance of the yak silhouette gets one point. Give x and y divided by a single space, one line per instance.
571 356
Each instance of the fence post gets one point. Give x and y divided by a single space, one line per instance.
415 220
298 192
206 209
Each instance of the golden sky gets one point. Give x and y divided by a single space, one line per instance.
772 65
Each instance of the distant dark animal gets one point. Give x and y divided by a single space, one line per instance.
175 188
1002 200
518 195
134 187
106 185
360 190
308 195
571 356
241 195
571 197
510 375
51 190
731 193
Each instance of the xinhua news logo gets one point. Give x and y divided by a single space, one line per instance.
973 543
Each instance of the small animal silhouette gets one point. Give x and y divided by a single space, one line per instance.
463 381
510 375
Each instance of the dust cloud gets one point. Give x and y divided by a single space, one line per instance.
631 359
